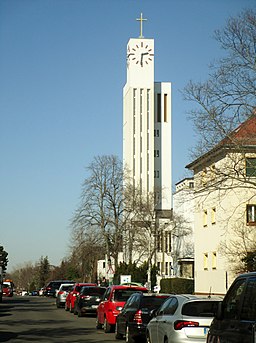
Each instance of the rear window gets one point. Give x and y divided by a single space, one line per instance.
94 291
200 308
123 294
66 288
152 302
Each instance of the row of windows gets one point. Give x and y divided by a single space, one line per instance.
206 261
213 216
209 173
250 215
164 242
164 268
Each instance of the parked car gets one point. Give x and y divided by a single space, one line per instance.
132 320
71 297
62 294
50 289
7 290
182 318
87 301
113 301
235 320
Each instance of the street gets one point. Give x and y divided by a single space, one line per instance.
37 319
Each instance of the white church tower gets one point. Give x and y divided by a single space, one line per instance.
147 123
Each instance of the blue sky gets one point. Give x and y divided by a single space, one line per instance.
62 72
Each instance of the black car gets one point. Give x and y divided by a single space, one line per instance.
131 322
88 299
235 320
52 286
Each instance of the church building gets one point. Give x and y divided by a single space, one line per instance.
147 136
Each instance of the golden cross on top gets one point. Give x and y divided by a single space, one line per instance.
141 22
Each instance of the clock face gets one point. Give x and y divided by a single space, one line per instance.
140 54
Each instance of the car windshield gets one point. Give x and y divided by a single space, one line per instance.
152 302
200 308
94 291
123 294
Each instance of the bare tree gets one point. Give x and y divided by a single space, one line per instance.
228 97
101 208
224 118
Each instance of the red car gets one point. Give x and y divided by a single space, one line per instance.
7 290
113 301
71 297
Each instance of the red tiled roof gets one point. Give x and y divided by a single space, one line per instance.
244 134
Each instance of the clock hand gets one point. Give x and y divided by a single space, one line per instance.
141 58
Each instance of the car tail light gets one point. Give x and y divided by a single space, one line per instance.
137 317
180 324
60 292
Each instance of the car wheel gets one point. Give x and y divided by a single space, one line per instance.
117 334
128 337
107 327
98 324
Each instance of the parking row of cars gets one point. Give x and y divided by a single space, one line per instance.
137 315
134 313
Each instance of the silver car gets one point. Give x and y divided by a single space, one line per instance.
182 319
62 293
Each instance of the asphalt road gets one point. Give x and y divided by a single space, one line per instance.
37 319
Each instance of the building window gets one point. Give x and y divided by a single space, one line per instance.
251 214
205 218
156 133
159 267
156 174
214 260
170 241
205 261
166 241
166 268
156 153
213 215
158 112
165 108
250 167
191 185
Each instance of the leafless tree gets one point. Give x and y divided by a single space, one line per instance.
100 214
228 97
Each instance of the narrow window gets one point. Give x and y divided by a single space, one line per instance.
166 242
170 242
214 260
205 218
205 261
166 268
165 108
251 214
159 108
213 215
250 167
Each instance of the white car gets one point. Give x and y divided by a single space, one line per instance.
61 294
182 319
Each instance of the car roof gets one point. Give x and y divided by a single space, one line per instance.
128 287
246 275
